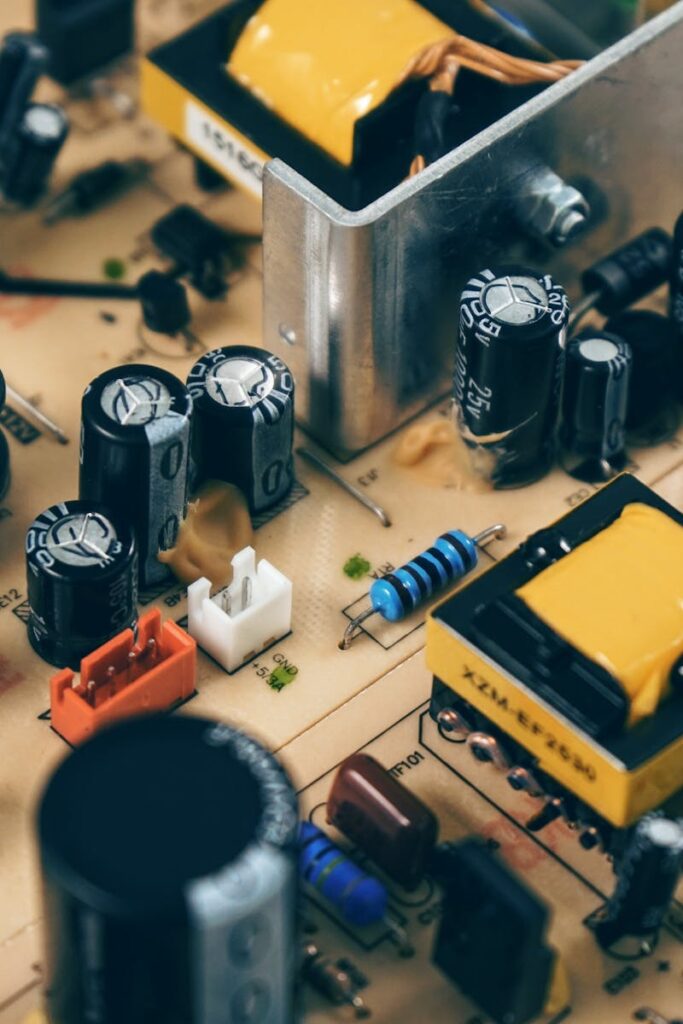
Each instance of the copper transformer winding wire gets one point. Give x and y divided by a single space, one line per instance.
440 63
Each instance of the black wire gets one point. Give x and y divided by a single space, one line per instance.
434 110
65 289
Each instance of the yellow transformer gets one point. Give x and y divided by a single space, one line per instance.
568 654
323 86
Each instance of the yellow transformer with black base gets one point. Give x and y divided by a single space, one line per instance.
323 87
568 657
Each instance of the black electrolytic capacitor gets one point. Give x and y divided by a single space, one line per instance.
135 437
647 875
23 58
652 413
81 565
40 136
243 423
594 402
508 369
167 848
84 35
629 273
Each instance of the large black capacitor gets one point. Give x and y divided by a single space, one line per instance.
647 875
594 402
135 437
652 414
40 135
81 566
167 848
508 370
244 422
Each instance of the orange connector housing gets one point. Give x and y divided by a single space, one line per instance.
124 678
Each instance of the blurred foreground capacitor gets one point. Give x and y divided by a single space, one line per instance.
243 423
135 436
647 876
39 137
507 372
594 402
652 413
383 818
168 855
81 566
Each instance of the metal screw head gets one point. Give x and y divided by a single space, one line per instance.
549 208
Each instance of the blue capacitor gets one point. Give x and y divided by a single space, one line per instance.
360 899
451 557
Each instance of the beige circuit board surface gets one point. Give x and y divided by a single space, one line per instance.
373 696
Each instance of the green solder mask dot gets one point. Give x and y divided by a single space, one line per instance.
281 677
356 566
114 269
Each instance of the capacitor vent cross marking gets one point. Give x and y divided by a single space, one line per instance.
243 423
82 539
81 563
136 401
239 382
516 299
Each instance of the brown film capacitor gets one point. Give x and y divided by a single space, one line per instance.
388 822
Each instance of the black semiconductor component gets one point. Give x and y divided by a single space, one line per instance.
83 36
81 566
629 273
491 937
197 247
167 848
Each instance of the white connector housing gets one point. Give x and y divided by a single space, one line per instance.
245 617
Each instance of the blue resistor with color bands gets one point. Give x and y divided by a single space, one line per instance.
360 899
451 557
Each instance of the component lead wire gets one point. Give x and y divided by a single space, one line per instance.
308 456
37 414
